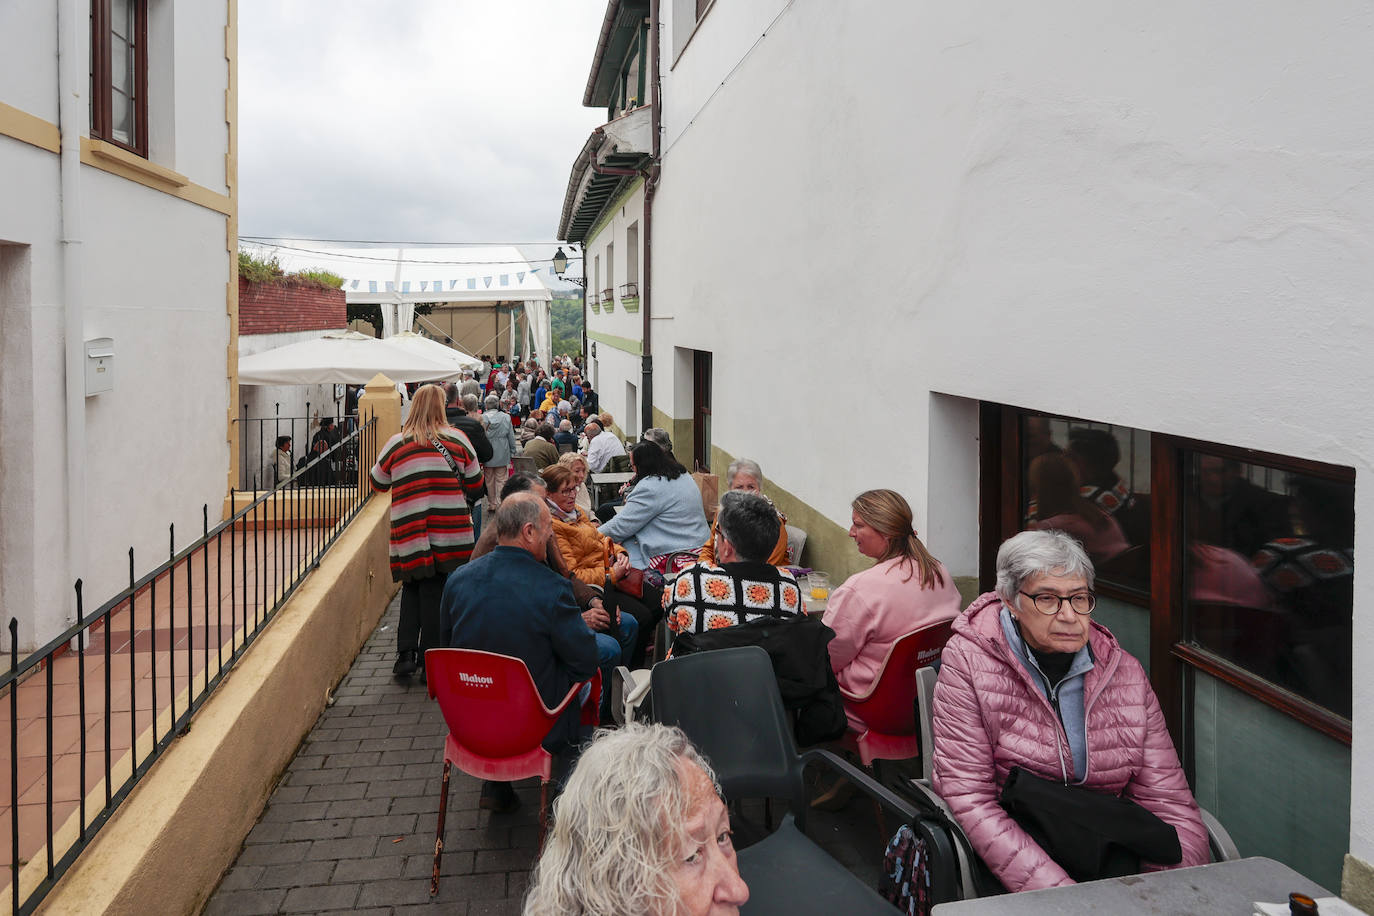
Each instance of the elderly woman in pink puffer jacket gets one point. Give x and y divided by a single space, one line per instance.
1029 680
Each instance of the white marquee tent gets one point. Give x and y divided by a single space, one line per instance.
344 357
399 278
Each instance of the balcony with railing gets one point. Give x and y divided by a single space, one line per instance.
608 299
629 296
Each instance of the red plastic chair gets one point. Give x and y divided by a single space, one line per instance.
496 724
888 708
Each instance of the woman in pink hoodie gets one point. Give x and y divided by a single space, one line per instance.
1030 680
907 590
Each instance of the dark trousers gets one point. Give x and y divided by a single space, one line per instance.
647 612
419 626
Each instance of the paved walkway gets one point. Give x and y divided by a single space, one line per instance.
351 824
350 827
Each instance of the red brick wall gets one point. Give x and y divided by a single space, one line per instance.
266 308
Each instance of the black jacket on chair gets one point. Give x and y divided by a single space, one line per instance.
796 645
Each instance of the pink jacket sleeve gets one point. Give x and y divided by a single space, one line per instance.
849 616
966 778
1161 788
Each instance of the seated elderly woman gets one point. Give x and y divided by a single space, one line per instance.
577 464
595 559
662 516
639 828
746 475
1030 680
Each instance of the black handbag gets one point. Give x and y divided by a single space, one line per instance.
1090 834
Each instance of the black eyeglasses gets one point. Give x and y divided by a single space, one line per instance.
1048 603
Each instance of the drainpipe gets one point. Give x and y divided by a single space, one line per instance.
73 25
650 185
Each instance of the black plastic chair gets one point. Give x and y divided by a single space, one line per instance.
727 702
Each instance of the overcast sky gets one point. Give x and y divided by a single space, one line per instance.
415 120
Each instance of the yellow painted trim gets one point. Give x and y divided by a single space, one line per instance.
231 233
30 129
635 347
110 158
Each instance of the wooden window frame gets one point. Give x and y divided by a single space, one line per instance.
102 104
1172 659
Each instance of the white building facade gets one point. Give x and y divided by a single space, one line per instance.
118 228
952 250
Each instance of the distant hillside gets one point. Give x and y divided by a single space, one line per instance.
567 322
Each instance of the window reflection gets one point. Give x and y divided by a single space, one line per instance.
1091 480
1270 573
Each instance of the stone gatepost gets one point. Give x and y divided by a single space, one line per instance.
381 400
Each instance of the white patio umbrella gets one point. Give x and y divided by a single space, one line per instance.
342 357
433 350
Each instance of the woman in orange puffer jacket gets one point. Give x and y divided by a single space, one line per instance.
595 559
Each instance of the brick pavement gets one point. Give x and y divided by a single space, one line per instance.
350 826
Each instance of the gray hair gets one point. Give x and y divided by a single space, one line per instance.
619 826
750 523
492 402
748 466
1039 553
659 436
565 426
469 402
515 513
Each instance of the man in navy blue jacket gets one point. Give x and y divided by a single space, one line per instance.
511 603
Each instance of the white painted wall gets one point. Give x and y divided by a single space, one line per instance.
1160 217
155 272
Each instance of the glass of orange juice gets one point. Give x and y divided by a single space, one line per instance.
817 592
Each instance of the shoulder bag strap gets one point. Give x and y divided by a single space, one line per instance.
452 465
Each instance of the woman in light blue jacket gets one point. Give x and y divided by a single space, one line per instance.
663 512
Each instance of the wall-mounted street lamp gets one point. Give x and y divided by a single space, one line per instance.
560 264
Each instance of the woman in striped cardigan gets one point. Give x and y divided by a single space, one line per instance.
432 472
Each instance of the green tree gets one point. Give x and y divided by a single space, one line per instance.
566 324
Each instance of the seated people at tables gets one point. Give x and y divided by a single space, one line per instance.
616 635
541 447
577 464
594 559
510 603
906 591
601 448
747 476
663 513
743 586
609 425
641 828
565 438
1060 506
1030 680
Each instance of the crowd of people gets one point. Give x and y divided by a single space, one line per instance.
1030 682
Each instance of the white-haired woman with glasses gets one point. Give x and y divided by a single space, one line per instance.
641 828
1030 680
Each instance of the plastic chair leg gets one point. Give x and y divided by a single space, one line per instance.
543 813
439 831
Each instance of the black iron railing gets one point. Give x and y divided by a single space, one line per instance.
247 566
258 438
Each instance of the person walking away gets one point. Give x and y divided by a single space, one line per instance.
433 475
501 434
